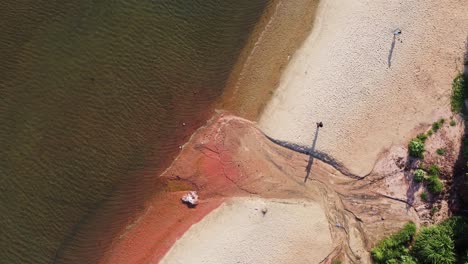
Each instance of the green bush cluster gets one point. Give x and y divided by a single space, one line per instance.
419 175
416 148
459 93
445 243
453 123
434 184
433 170
395 247
434 245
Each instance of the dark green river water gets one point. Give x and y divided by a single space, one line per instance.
92 93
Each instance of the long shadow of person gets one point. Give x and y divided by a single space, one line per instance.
396 33
390 53
311 158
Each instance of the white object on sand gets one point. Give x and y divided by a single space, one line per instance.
190 198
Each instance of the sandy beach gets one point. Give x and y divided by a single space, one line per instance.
370 90
238 232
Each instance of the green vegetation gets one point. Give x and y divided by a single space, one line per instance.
445 243
430 132
395 247
434 245
422 137
336 261
440 151
419 175
416 148
434 184
436 126
424 196
459 93
433 170
452 122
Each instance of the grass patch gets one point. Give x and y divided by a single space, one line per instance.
436 126
423 196
430 132
459 93
422 137
433 170
434 185
416 148
440 151
395 247
453 123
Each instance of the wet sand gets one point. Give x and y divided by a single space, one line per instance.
281 31
371 91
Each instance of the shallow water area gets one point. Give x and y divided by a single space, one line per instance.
96 99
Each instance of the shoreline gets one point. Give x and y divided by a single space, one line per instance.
232 102
246 96
281 31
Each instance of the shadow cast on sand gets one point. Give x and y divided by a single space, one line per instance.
314 154
311 158
390 53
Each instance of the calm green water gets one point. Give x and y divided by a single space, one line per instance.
93 92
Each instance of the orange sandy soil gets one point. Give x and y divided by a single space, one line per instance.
166 218
231 157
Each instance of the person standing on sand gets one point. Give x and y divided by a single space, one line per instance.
319 125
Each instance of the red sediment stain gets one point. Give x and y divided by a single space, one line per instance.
206 167
153 234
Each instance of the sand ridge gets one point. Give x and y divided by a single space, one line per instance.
368 100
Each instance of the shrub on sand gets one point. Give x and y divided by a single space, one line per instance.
434 184
436 126
424 196
459 93
416 148
433 170
419 175
440 151
422 137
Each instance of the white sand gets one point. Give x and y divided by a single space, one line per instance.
341 76
238 232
